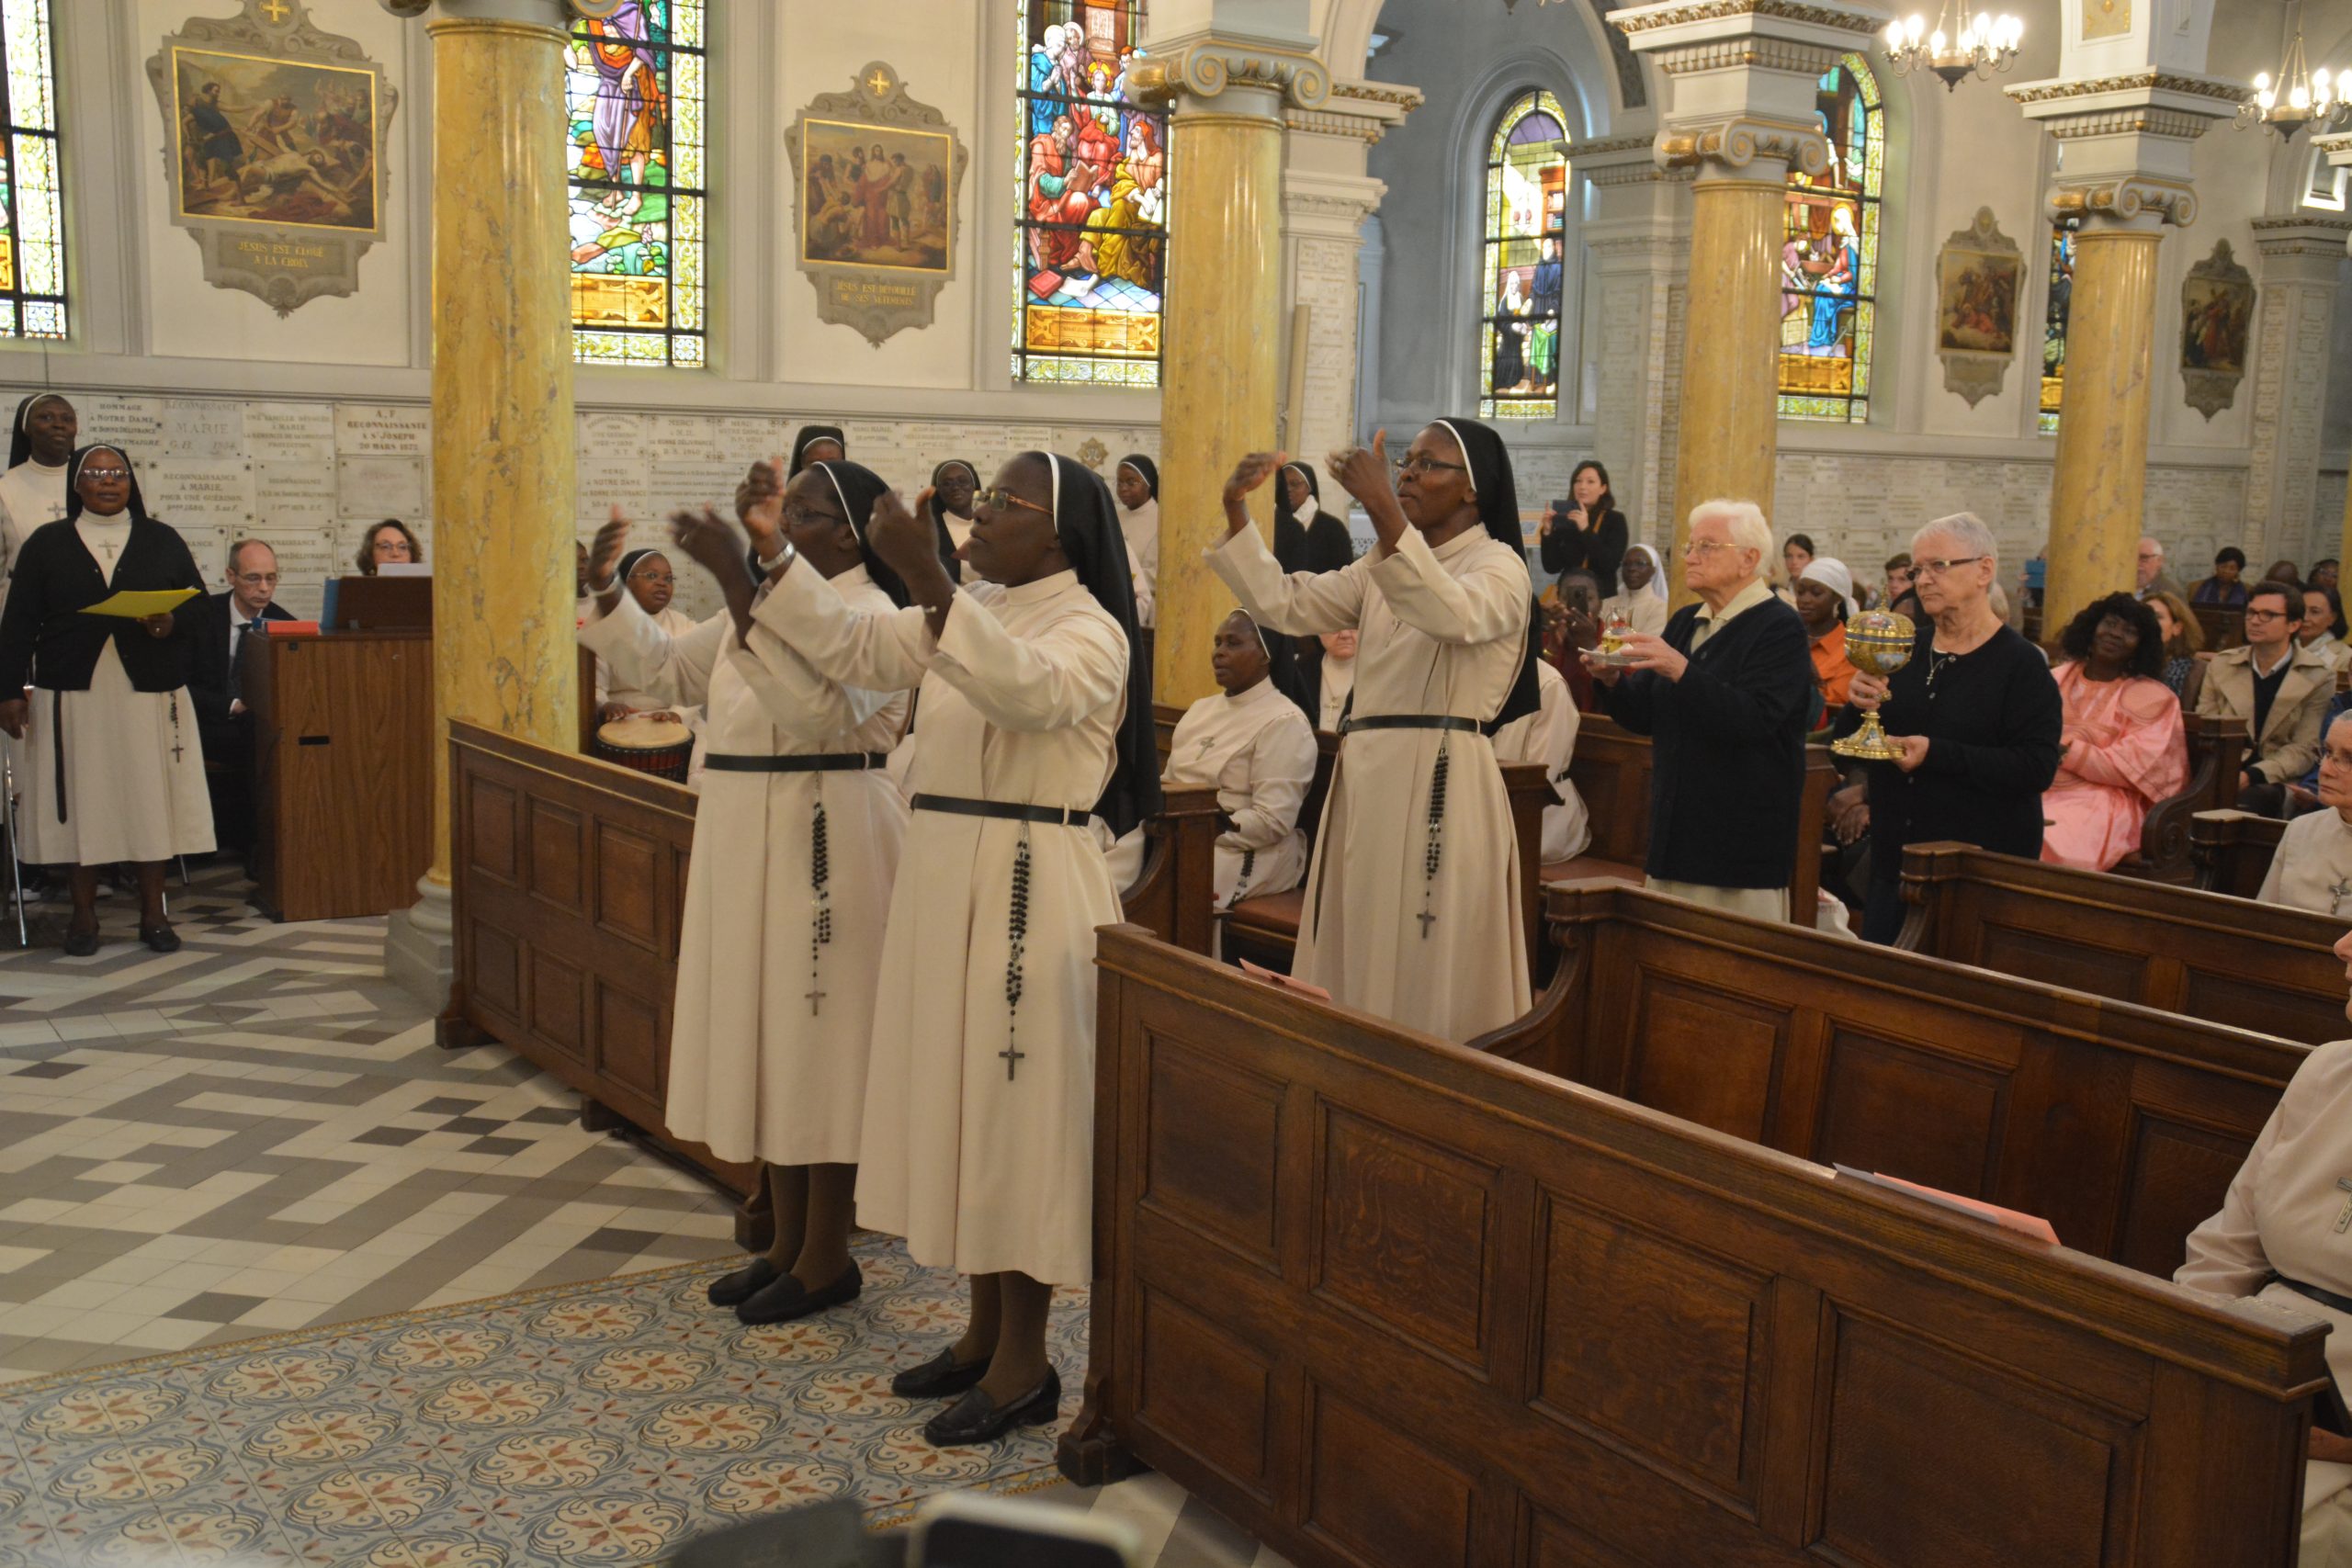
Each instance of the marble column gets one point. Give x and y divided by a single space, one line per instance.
1738 114
1221 375
1638 237
2339 154
2294 322
503 460
2125 174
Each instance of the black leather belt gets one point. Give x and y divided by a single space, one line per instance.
2324 1298
809 762
1349 726
1010 810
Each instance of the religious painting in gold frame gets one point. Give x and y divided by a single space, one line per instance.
1978 274
274 146
2216 322
875 176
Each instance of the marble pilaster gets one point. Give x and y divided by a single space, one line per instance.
1740 113
503 460
2125 174
1227 90
1638 238
2339 154
2294 320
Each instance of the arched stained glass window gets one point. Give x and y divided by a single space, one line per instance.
1092 175
1527 200
2054 321
32 224
1829 255
633 90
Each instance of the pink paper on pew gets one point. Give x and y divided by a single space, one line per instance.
2032 1226
1302 987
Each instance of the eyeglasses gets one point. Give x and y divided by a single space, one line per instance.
105 473
2335 758
1425 466
800 515
998 499
1705 548
256 578
2270 615
1937 567
642 575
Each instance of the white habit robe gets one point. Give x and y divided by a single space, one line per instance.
1141 528
31 494
1549 736
135 770
1338 679
2314 859
1442 632
2282 1217
755 1070
1259 753
985 1162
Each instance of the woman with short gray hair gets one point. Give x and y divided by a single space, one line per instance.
1975 712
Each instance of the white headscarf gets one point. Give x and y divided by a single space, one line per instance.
1655 586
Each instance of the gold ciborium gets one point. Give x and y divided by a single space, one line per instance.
1877 642
1611 654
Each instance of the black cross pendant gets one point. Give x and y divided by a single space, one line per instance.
816 999
175 745
1426 920
1013 1055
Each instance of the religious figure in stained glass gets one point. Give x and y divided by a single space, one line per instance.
32 224
1829 255
1093 191
633 87
1527 195
2054 323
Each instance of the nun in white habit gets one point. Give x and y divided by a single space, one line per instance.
1138 492
1033 717
2281 1235
33 490
1549 736
797 839
1412 902
1253 743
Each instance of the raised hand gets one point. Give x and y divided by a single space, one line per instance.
765 481
604 555
708 539
904 541
1249 473
1364 473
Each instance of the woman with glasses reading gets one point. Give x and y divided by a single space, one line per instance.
1412 900
1976 713
113 768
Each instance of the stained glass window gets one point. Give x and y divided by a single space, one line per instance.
2054 321
32 224
633 90
1527 200
1092 235
1829 255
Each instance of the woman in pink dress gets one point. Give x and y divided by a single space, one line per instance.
2123 746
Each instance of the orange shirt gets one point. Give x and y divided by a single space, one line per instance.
1829 665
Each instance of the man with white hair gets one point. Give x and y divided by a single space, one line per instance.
1724 694
1976 713
2154 579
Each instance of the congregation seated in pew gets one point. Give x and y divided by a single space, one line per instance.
2182 638
2279 690
2312 866
2121 748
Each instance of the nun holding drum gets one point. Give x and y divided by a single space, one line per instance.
1036 716
1412 905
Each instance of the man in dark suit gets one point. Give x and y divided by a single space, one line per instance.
221 622
1726 694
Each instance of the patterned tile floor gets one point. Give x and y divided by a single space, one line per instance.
254 1139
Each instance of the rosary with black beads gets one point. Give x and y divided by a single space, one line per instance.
1435 851
1017 932
820 924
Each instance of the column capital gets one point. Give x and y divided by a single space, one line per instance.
2128 139
2305 248
557 14
1360 111
1610 162
1741 80
2337 147
1315 202
1232 73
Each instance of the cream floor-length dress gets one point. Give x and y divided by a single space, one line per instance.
985 1163
1442 631
1259 752
2284 1215
755 1071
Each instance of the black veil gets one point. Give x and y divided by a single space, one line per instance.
1086 516
857 488
1495 490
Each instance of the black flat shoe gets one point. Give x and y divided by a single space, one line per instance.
82 944
162 939
938 1377
788 1299
976 1419
734 1290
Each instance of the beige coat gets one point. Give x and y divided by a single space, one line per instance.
2289 743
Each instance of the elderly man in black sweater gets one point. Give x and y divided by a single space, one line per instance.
1727 694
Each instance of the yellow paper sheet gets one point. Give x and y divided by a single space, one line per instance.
134 605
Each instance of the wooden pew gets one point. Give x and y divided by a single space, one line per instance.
2120 1124
2216 752
569 877
2223 628
2258 966
2233 850
1382 1300
1265 929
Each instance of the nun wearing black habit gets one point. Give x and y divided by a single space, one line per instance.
1411 902
112 769
977 1141
33 490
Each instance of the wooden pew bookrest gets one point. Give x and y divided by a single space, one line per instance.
2233 849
